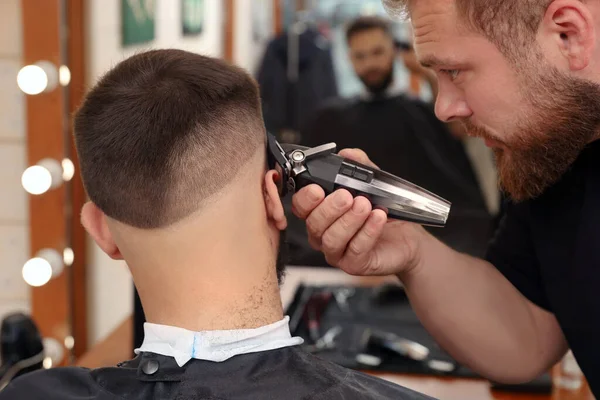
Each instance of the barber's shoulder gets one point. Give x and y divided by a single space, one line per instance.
56 383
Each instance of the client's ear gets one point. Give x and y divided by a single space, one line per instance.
275 210
94 222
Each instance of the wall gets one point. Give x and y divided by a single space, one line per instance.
14 222
254 23
110 288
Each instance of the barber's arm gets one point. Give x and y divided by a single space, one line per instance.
472 309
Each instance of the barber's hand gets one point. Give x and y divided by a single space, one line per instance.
353 236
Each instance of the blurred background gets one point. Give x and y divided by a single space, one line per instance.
324 77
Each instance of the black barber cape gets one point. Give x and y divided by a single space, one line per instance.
288 373
549 248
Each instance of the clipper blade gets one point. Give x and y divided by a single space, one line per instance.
400 198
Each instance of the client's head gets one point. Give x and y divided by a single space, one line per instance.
172 152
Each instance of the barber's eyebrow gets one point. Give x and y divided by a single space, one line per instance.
432 61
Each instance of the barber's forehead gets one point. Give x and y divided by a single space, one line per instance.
433 19
430 4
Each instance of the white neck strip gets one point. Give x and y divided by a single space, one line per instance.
217 346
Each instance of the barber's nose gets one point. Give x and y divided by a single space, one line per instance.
450 106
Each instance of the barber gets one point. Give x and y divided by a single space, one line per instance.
525 77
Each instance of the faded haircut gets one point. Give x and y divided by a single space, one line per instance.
163 131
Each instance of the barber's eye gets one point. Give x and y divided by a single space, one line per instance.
452 73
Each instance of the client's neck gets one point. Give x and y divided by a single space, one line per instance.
213 278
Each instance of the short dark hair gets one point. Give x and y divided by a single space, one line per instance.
367 23
164 130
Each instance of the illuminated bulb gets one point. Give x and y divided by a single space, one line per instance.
53 351
47 363
68 170
47 264
37 272
32 79
36 180
69 342
45 175
68 256
37 78
64 75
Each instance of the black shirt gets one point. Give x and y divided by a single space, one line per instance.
288 373
549 248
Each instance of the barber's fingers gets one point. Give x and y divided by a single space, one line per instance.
359 156
306 200
361 254
337 236
326 213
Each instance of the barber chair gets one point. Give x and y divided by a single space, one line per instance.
21 348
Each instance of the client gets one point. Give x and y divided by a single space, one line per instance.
172 152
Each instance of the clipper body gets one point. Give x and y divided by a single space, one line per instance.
300 166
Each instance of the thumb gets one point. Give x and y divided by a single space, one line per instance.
359 156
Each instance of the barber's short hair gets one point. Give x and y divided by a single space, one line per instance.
163 131
367 23
510 24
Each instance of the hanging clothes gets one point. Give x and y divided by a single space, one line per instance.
289 105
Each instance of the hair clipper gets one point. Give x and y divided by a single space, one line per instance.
300 166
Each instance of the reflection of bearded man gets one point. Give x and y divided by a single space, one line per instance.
562 118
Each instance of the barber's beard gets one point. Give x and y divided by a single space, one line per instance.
381 86
563 117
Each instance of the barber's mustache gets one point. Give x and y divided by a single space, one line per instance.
477 131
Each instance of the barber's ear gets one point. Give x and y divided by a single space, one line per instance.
273 201
94 222
569 24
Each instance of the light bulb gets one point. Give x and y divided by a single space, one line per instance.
68 169
68 256
32 79
47 363
47 264
45 175
37 272
64 75
43 76
36 180
70 342
54 352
